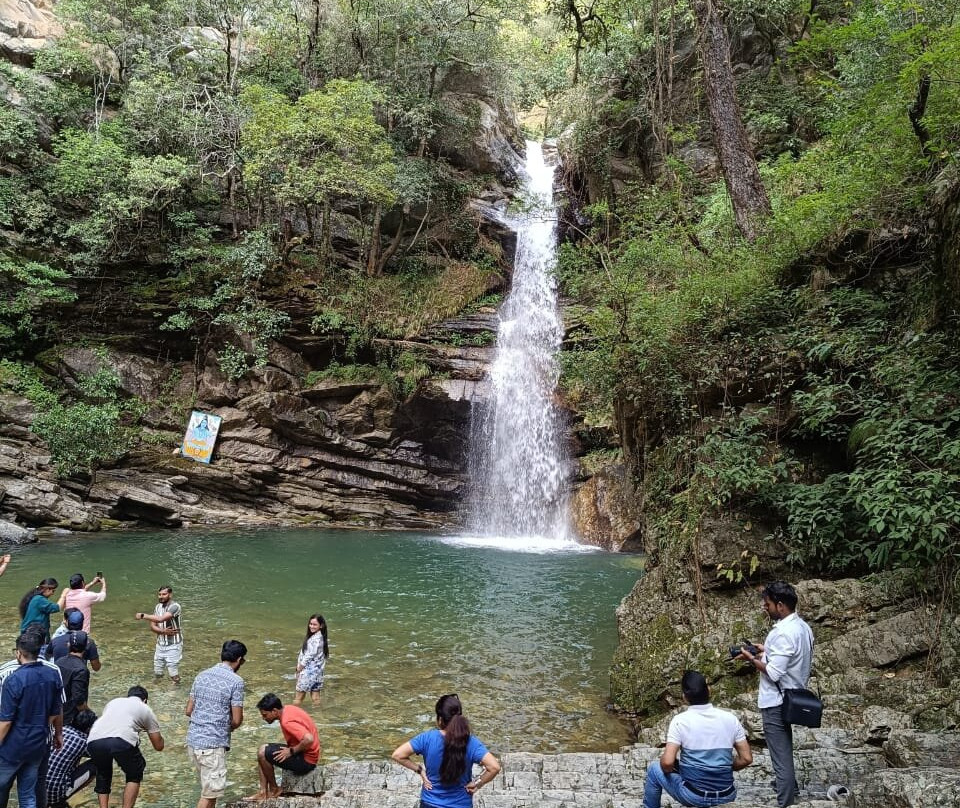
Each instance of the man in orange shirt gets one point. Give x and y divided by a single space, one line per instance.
300 753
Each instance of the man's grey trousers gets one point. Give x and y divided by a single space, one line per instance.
779 737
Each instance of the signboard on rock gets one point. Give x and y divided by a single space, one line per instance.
201 436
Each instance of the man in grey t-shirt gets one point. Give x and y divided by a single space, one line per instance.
115 736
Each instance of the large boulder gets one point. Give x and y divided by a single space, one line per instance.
26 27
606 512
493 141
11 533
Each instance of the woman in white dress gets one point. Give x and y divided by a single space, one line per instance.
311 660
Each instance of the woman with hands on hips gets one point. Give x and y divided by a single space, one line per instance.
449 753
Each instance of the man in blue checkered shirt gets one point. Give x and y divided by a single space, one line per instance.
66 775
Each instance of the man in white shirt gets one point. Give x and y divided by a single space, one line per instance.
705 746
784 663
115 736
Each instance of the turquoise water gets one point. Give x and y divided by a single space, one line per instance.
525 639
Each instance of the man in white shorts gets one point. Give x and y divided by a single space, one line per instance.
215 709
165 623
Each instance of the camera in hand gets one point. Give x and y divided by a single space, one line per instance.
736 650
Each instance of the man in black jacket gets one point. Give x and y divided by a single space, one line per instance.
76 677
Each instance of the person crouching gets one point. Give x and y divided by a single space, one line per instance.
299 755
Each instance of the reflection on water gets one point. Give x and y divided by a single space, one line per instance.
525 638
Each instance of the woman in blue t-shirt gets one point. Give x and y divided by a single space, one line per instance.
449 754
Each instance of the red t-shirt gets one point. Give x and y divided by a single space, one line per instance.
294 724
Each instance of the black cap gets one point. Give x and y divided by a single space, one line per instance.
78 640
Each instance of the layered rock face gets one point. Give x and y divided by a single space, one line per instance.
353 452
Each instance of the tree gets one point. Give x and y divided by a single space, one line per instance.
327 145
25 287
739 166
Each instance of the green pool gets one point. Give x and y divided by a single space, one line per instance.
525 638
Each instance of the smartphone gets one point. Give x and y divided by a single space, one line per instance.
99 574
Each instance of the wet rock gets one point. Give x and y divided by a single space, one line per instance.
11 533
606 511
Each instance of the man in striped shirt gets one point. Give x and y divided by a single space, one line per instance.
165 623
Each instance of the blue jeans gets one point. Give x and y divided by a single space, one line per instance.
658 782
26 776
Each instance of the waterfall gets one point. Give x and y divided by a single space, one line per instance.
519 466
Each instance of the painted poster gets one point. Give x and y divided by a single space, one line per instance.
201 436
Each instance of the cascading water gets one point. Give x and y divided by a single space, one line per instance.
519 465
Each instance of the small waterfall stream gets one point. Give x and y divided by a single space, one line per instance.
519 466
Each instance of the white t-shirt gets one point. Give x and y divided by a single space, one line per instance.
124 718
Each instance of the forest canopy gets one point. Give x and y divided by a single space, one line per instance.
762 303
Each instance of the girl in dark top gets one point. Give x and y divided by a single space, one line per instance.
449 753
36 606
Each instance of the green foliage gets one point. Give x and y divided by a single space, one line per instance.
325 144
891 398
25 288
736 462
831 407
223 294
400 373
28 381
356 309
124 192
84 434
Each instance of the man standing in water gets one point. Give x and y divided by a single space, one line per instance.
165 623
215 709
784 663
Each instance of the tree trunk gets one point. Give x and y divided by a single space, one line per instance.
739 166
326 237
395 241
373 255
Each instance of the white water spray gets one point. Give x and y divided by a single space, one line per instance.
519 465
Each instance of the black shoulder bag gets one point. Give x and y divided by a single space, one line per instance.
801 706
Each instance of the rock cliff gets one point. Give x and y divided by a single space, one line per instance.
356 452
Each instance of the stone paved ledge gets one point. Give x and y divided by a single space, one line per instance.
616 780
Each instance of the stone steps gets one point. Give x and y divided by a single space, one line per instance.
616 780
